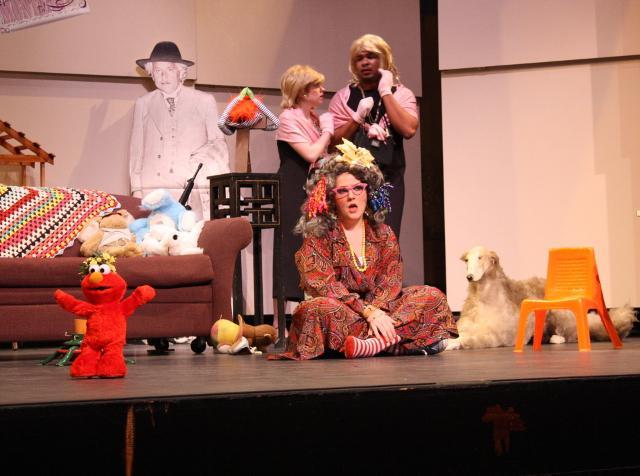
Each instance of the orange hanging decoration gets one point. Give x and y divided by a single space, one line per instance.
245 110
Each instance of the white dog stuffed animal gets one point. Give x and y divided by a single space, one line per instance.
156 241
185 242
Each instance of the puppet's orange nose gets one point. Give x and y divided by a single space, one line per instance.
95 277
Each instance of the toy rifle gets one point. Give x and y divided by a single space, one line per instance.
188 188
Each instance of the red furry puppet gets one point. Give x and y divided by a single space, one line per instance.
101 352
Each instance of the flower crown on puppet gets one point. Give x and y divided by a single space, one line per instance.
353 156
96 262
245 111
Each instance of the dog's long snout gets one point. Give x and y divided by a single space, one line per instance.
469 277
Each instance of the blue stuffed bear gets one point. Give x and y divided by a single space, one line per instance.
165 210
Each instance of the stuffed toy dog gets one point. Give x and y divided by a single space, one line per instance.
110 233
185 242
164 209
232 338
164 240
101 351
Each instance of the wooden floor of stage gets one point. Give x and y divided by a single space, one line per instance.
181 373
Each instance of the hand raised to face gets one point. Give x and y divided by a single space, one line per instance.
385 83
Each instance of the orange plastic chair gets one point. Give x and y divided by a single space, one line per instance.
573 283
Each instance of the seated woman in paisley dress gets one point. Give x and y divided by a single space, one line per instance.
351 271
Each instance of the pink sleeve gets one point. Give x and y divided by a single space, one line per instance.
290 129
338 107
407 100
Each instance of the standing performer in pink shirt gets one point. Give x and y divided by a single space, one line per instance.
386 110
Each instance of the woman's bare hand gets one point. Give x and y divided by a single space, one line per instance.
381 325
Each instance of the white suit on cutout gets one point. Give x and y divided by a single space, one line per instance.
165 149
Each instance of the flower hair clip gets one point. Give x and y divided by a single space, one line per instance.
354 155
317 202
379 199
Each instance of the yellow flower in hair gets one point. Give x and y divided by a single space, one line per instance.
354 155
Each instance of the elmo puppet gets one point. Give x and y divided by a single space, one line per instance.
101 351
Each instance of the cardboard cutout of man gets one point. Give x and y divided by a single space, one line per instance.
175 129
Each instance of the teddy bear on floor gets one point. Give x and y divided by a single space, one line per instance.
101 351
232 338
165 209
110 233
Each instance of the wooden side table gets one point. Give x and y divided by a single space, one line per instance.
257 197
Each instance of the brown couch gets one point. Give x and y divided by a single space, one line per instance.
192 291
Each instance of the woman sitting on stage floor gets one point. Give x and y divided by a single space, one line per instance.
351 270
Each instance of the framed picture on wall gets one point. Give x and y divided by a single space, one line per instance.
18 14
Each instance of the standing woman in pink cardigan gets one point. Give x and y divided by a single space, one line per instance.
303 138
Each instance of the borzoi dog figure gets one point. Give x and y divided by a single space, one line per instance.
491 311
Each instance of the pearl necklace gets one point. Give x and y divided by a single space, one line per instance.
356 261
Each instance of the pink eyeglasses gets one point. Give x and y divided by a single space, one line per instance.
356 188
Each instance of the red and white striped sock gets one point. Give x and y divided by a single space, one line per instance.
354 347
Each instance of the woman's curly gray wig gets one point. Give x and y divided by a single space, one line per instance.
331 168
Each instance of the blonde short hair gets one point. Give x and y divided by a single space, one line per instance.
377 45
296 81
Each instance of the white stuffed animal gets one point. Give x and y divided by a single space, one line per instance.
186 242
155 242
163 206
164 240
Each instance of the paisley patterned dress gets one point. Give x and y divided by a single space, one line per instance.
339 293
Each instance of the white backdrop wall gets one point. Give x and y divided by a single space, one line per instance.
542 155
103 41
77 99
285 32
480 33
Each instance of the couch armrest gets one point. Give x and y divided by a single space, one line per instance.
222 240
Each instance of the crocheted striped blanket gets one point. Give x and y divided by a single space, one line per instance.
40 222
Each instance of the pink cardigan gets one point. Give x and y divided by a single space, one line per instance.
295 127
